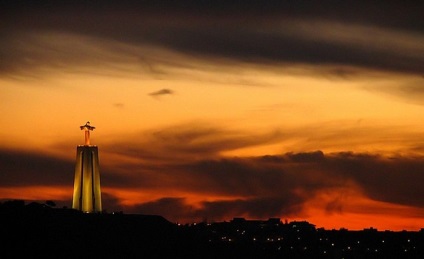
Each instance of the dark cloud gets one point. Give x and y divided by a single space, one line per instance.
119 105
25 168
281 185
412 91
290 180
405 14
177 209
189 141
335 206
111 203
293 42
162 92
316 156
31 168
382 36
189 158
395 179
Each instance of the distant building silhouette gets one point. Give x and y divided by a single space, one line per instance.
87 193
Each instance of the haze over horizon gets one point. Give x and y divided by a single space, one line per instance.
218 109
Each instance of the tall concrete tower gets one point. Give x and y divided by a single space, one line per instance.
87 194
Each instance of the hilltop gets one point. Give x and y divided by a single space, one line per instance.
41 230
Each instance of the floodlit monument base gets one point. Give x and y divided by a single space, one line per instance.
87 194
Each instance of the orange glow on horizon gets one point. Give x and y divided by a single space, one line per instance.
357 212
36 193
352 218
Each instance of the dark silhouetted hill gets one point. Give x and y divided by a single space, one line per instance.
36 230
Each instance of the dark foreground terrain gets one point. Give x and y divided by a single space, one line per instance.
37 230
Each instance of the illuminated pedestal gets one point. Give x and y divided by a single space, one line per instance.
87 195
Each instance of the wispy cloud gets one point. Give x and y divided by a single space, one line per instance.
388 39
161 92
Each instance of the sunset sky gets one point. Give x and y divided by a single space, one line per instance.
209 110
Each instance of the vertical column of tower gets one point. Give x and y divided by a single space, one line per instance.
96 193
77 197
87 193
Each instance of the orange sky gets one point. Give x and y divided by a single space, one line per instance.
214 114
